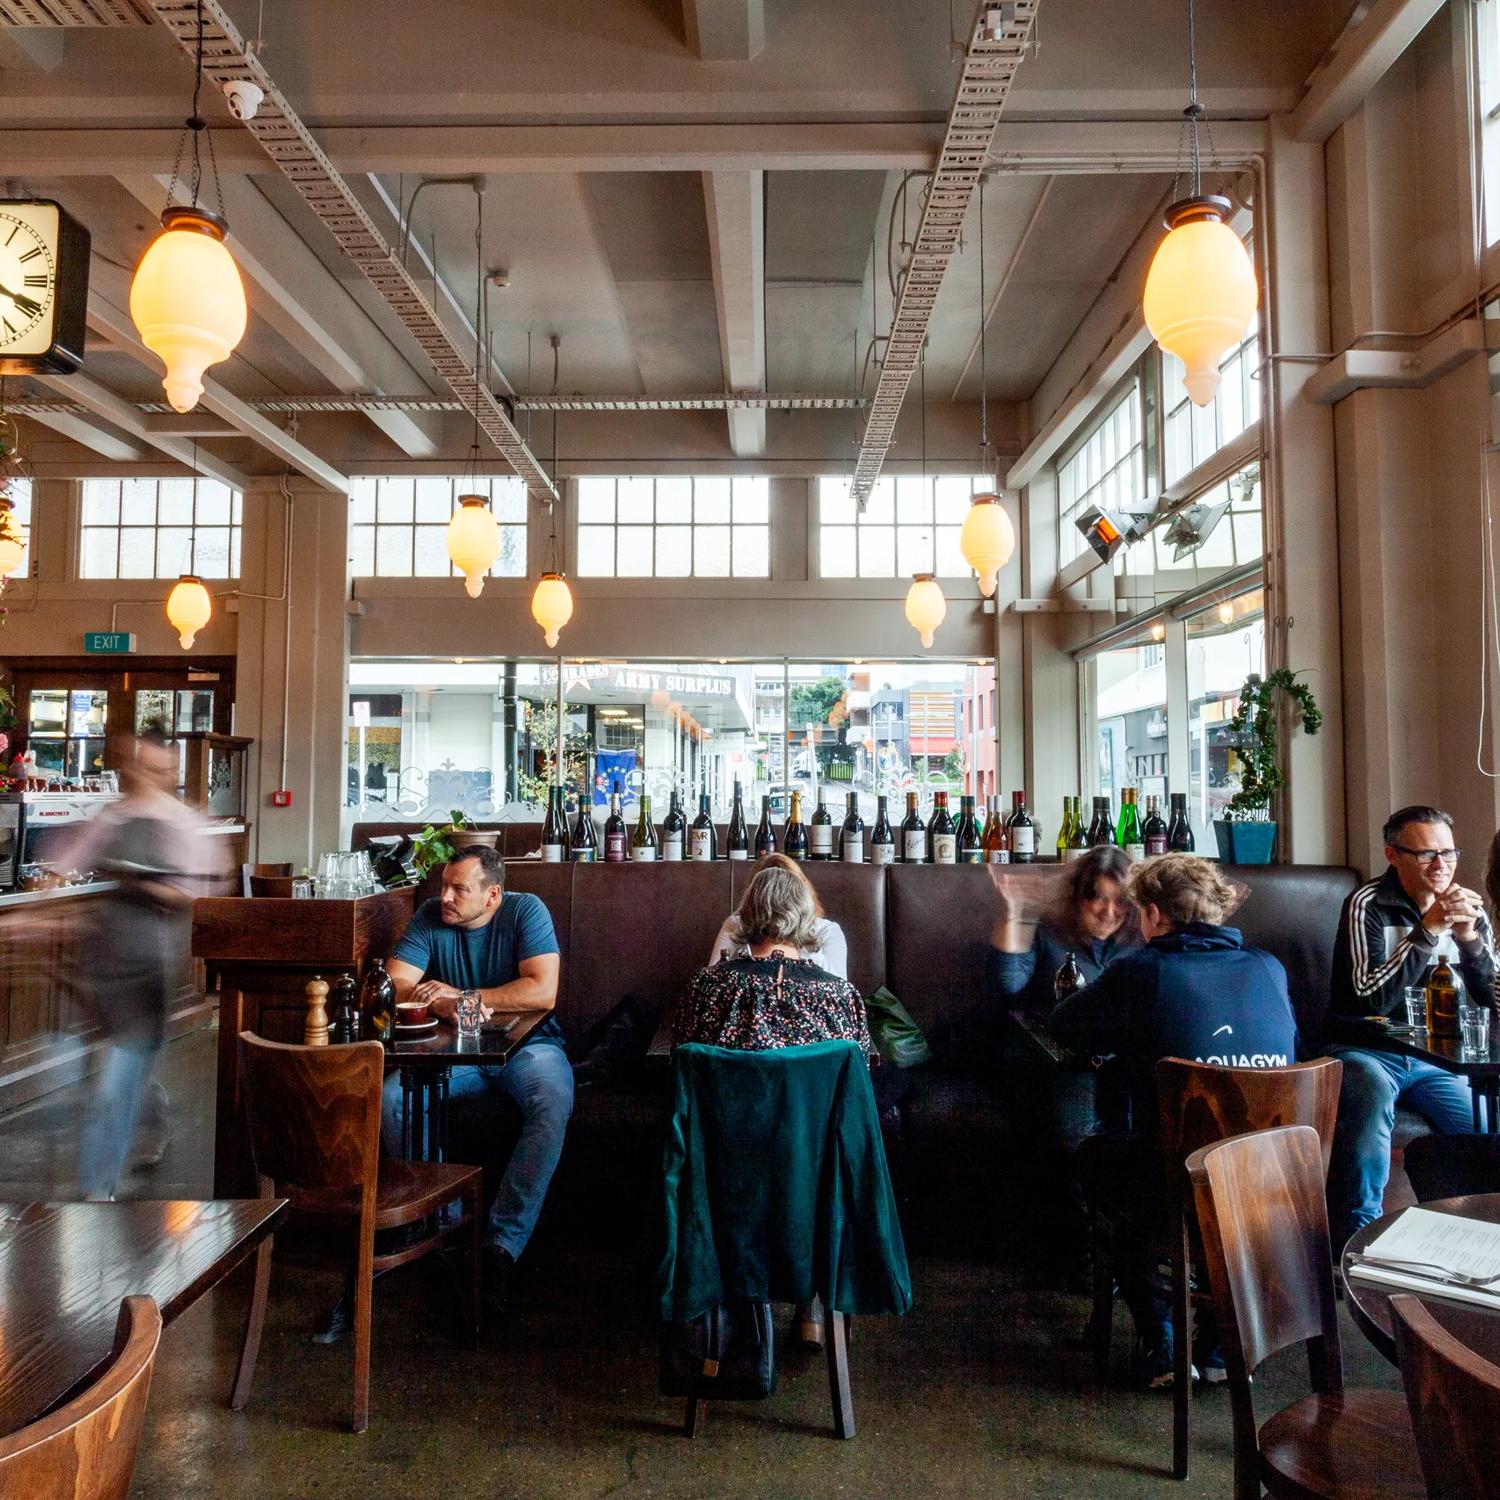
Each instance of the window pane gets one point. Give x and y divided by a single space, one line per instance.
674 550
362 550
711 551
508 500
234 551
361 501
98 553
395 502
752 551
752 500
834 503
101 502
430 552
950 560
674 500
138 502
913 550
634 499
596 500
877 551
633 551
881 507
512 560
710 499
213 503
434 498
596 550
913 499
211 552
1247 538
836 552
393 551
174 504
138 552
953 495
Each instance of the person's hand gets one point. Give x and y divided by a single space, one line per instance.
441 999
1463 908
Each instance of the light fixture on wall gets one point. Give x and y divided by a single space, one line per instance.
987 539
186 299
1106 531
189 608
1226 612
926 608
1200 291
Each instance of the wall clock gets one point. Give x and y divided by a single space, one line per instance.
44 288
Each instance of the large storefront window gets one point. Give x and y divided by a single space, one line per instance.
1108 468
1130 712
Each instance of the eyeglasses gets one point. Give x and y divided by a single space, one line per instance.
1430 856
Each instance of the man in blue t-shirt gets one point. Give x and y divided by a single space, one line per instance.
478 936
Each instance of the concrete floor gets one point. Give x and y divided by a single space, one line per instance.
977 1392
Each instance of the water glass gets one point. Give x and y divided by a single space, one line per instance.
1474 1032
470 1014
1416 1007
302 888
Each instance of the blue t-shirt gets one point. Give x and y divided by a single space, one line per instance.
483 957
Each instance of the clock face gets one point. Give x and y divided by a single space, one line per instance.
28 277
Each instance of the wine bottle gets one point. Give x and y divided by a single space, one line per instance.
913 834
616 841
1106 822
673 829
794 835
1129 835
585 845
970 843
852 835
1179 830
1154 832
942 837
643 841
1068 979
1095 823
765 834
737 839
1078 839
882 840
996 836
702 837
377 1003
555 828
1065 828
820 831
1022 831
1442 1000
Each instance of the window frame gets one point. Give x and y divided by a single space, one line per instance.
234 527
496 485
818 525
735 529
1132 388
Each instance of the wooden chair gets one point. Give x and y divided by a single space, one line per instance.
248 873
271 885
1199 1104
314 1126
1453 1395
1263 1213
85 1450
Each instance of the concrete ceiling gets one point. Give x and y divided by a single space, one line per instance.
622 171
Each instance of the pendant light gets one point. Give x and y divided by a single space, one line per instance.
1200 291
187 300
12 538
188 608
925 605
12 543
552 601
987 539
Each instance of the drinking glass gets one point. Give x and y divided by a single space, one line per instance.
1474 1031
1416 1007
470 1014
328 877
302 888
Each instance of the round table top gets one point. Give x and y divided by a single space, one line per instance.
1370 1302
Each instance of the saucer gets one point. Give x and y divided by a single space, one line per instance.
419 1029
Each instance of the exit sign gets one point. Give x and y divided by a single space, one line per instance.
108 642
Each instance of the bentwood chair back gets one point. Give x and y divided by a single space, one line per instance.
1454 1398
271 885
280 869
86 1449
314 1126
1200 1103
1264 1219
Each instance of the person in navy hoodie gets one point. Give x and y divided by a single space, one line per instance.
1195 991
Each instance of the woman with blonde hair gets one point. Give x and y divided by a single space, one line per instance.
827 945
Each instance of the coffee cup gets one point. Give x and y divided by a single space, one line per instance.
411 1012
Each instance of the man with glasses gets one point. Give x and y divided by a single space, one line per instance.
1391 932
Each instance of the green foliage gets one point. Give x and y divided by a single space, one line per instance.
953 765
7 709
431 846
1256 719
814 702
540 723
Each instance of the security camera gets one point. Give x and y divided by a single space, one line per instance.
244 97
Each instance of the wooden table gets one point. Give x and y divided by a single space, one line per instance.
1370 1302
1450 1054
65 1267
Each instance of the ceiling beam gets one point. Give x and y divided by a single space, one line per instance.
737 249
294 292
1109 145
1363 56
725 30
89 432
87 391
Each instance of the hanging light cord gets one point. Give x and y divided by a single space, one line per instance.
479 311
984 388
1195 109
194 127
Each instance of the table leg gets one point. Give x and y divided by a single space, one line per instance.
406 1114
441 1153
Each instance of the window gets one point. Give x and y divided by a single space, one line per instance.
399 524
674 526
1487 20
18 492
909 525
1228 515
159 528
1193 434
1130 714
1225 644
1107 469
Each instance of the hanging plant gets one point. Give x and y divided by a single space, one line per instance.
1254 724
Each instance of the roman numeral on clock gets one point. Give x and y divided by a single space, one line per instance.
37 278
30 255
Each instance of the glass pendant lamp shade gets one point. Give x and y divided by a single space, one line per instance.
552 605
1200 291
987 540
925 606
188 608
473 541
12 543
187 301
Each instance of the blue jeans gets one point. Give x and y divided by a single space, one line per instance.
539 1080
1374 1083
118 1092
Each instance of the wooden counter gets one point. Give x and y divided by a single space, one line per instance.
265 950
49 1036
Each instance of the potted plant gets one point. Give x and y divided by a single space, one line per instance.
1247 833
437 844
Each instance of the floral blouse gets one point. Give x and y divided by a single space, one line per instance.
758 1003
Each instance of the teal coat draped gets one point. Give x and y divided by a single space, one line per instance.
777 1185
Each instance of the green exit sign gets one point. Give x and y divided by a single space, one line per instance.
108 642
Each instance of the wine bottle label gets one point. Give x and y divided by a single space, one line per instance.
999 856
1023 840
614 847
944 849
583 856
820 840
915 845
854 849
739 854
882 854
1073 855
701 846
552 853
971 856
1135 851
642 853
1157 844
671 846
